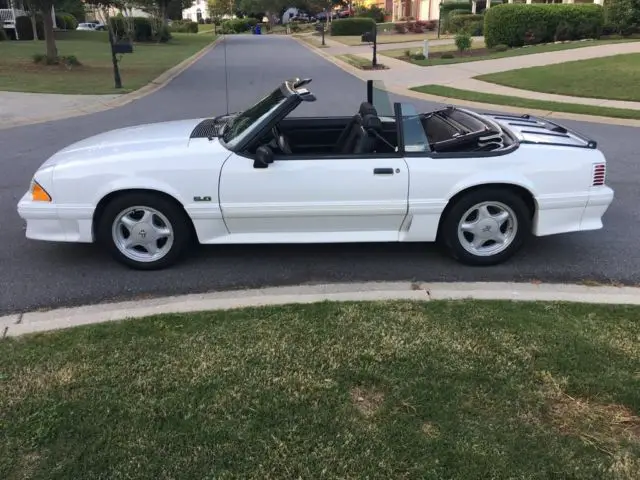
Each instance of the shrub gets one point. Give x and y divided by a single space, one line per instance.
448 10
66 21
400 27
25 30
184 26
418 56
500 48
3 35
519 24
295 27
68 60
236 25
473 24
374 12
463 41
447 56
143 30
623 16
351 26
70 21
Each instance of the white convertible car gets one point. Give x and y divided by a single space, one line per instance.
479 184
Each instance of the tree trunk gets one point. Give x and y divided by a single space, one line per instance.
52 50
33 26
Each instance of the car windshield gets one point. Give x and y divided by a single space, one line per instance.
252 116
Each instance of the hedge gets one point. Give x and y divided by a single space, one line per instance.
25 30
446 8
351 26
184 26
472 24
143 30
238 25
518 24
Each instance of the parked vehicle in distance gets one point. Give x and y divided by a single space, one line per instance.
94 26
478 184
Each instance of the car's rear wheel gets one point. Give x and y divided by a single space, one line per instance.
486 226
144 231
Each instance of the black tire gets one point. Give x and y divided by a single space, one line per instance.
179 224
453 216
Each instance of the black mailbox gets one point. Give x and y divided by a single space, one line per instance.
367 37
319 27
122 47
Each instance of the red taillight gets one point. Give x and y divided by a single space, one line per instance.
599 174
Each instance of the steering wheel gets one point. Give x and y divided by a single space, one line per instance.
281 140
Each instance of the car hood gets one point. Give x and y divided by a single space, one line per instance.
129 141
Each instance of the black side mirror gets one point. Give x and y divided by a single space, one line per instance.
264 156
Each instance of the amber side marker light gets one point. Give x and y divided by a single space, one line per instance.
39 194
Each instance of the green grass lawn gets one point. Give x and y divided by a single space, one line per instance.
430 390
614 78
525 103
482 53
205 27
95 76
357 61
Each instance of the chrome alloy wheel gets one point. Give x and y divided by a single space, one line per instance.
142 234
487 228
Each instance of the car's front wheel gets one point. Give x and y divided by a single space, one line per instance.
144 231
486 226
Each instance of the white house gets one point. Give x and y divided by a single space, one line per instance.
12 9
197 10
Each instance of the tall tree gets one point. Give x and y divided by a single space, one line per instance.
45 7
218 8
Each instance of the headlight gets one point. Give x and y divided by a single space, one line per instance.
38 194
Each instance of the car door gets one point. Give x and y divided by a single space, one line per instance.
314 200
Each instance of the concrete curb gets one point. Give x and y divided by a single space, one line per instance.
41 321
156 84
476 105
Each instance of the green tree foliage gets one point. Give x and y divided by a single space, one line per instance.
623 15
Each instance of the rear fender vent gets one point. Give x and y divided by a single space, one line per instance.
599 174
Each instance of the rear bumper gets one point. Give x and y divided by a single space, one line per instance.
49 222
574 213
599 200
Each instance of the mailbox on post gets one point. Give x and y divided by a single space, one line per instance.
320 28
122 47
118 47
372 37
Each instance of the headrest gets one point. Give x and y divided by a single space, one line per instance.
371 122
366 108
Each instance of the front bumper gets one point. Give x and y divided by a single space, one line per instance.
50 222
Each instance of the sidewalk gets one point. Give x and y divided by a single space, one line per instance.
336 48
405 75
17 108
42 321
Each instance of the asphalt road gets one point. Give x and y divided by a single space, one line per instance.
41 275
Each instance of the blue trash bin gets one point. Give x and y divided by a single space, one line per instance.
258 30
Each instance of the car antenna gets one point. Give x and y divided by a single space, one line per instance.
226 73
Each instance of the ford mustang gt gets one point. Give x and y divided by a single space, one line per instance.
478 184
